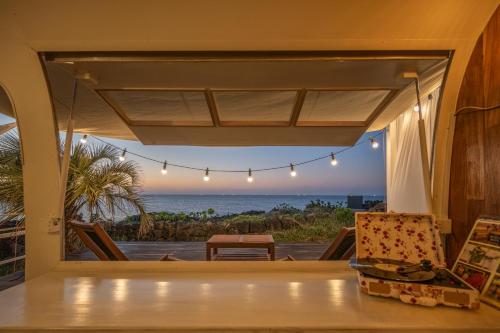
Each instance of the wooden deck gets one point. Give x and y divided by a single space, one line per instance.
11 280
196 250
153 251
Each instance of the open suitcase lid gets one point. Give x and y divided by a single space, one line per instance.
405 237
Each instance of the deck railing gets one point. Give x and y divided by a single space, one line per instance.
9 234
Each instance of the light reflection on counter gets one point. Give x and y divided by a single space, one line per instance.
294 290
82 298
162 288
336 290
249 292
206 289
120 290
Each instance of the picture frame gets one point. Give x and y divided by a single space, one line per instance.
479 260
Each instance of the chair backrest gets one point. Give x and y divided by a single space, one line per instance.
343 247
98 241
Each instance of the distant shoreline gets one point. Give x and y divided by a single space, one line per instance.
248 194
224 204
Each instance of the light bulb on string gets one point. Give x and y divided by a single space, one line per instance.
416 108
206 177
250 178
334 161
293 173
122 156
164 169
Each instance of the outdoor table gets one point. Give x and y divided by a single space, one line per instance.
240 241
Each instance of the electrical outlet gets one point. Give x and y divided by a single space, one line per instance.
54 225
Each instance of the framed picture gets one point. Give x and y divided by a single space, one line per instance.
479 261
477 278
492 293
483 256
486 232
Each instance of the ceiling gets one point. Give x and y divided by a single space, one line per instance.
234 98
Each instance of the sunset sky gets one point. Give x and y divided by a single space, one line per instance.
359 171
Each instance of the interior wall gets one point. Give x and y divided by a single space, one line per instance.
22 77
475 163
30 26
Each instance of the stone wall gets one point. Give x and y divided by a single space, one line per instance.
202 230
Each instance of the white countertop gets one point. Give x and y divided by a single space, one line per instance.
305 296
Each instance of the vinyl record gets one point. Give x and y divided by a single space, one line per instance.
391 270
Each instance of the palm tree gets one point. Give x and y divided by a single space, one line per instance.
11 179
99 184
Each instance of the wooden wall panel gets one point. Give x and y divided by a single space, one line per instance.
474 156
492 161
491 60
475 163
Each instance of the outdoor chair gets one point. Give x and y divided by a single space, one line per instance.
98 241
342 247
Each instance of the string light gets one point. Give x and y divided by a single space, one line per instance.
334 161
250 178
416 108
291 166
164 169
206 177
122 156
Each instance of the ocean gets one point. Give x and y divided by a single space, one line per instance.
234 204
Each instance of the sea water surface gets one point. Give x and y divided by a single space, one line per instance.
234 204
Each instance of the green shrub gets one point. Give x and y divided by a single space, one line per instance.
344 216
321 206
285 208
246 218
322 230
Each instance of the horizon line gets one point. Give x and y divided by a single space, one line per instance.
264 194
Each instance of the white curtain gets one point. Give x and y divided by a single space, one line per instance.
405 183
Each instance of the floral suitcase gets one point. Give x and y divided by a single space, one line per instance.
409 238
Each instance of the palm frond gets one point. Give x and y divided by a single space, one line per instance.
97 183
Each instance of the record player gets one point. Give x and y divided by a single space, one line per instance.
400 256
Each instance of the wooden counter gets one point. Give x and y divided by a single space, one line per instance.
221 297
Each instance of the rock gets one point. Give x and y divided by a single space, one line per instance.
288 222
184 232
256 227
380 207
157 234
274 223
241 226
310 218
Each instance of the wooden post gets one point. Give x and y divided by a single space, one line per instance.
65 169
424 154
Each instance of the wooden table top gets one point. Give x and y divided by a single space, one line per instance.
281 296
241 239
